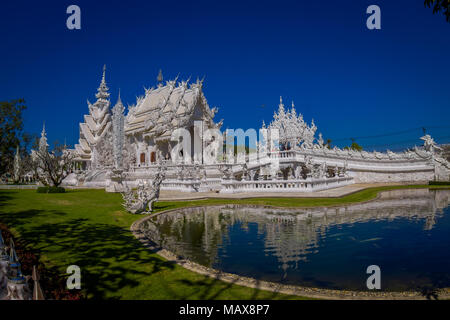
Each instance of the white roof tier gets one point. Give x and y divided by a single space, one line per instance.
168 107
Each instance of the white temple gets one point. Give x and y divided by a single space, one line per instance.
115 148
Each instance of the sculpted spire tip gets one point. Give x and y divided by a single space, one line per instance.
160 77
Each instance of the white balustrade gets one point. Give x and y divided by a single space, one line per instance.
297 185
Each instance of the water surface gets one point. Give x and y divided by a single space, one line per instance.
405 232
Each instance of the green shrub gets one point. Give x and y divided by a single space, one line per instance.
50 190
439 183
42 189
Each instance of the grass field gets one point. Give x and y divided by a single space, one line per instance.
90 229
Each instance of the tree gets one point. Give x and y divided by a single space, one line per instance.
11 126
438 6
354 146
51 168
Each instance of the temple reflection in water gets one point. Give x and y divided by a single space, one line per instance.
290 235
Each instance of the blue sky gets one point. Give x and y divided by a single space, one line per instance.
353 81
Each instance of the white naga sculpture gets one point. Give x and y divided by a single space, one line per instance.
140 200
429 144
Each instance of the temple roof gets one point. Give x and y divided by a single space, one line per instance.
168 107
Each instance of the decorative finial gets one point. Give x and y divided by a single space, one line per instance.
43 140
160 77
104 72
118 99
102 90
12 252
37 291
281 106
293 111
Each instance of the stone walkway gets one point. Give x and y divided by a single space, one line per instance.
330 193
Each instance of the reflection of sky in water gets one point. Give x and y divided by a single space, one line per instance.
405 232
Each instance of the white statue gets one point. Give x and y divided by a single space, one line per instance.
323 170
429 144
320 142
298 172
226 171
140 201
245 175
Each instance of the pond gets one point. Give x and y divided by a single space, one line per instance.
404 232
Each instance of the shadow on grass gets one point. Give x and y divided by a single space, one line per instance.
5 196
212 288
110 258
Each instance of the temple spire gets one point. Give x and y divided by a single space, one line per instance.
102 91
281 106
15 272
160 78
43 140
118 123
104 71
119 104
12 252
119 100
293 111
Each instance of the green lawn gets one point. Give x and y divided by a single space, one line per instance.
90 229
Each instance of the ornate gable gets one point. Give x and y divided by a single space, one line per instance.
166 108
